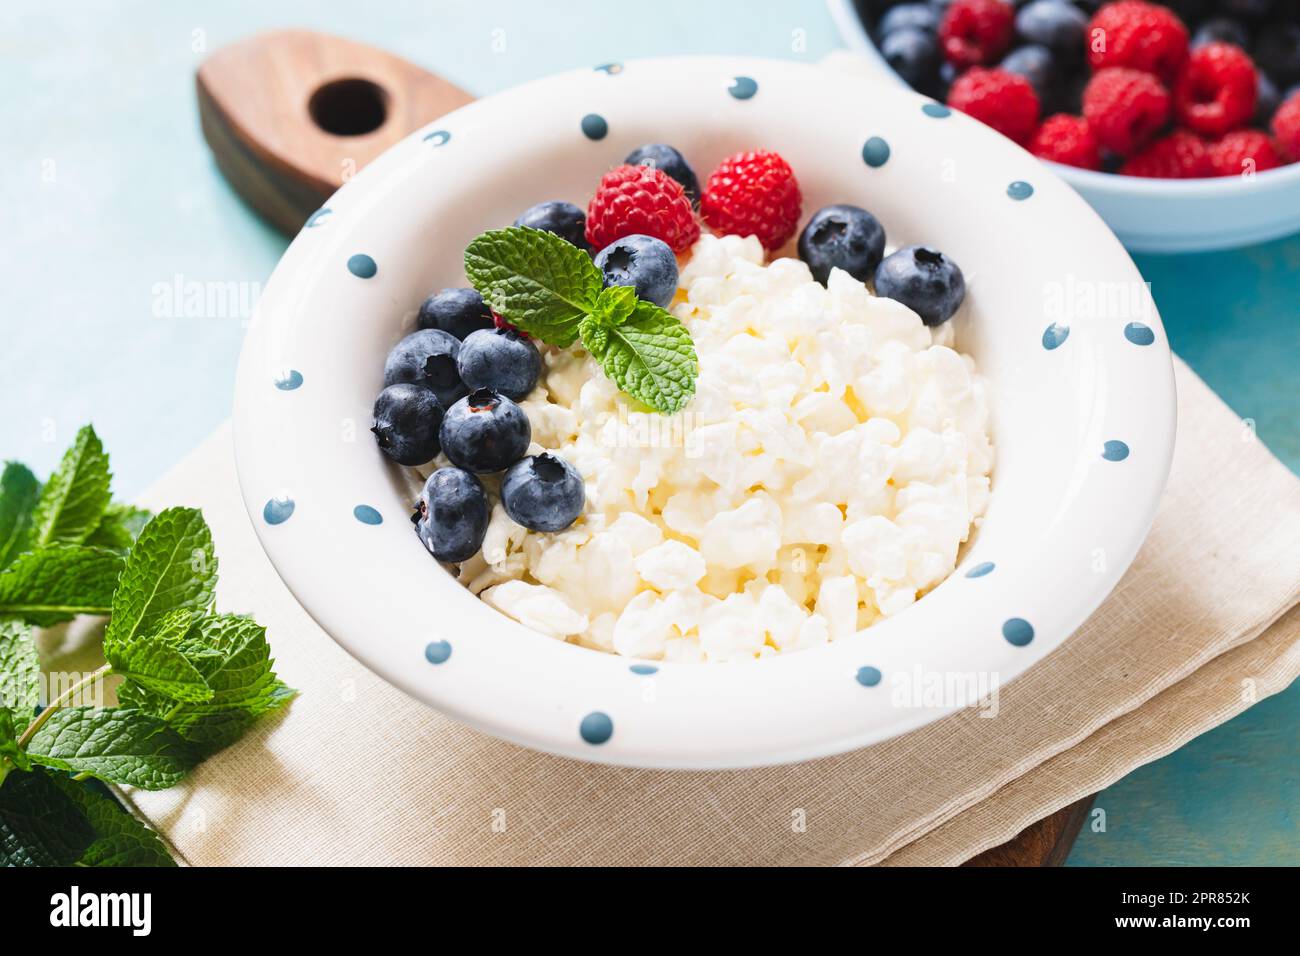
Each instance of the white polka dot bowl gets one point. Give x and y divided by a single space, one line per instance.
1148 215
1056 316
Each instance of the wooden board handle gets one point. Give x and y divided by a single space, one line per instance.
291 115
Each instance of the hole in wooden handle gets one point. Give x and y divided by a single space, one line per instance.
349 107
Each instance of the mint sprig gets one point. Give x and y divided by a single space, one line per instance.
552 290
192 681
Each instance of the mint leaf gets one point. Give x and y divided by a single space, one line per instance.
119 527
155 661
540 283
595 336
172 566
40 825
11 755
232 654
615 305
20 672
55 584
234 658
650 356
19 491
120 839
119 745
74 499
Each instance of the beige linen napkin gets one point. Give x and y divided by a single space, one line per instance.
356 773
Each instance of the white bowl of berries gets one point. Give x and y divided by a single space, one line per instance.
1178 120
666 414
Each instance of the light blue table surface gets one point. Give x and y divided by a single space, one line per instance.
109 193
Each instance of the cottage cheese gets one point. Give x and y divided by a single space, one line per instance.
834 458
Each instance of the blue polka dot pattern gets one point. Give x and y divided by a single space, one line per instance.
643 670
438 137
1020 190
1139 334
743 87
1017 631
981 569
362 266
937 110
1054 335
277 510
367 515
596 728
288 380
1114 450
875 152
594 126
317 218
868 676
437 652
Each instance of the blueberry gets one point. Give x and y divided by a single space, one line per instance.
1037 64
914 55
1267 99
428 358
485 432
407 419
456 311
543 493
917 16
1277 51
1069 99
564 219
643 262
500 359
451 516
1221 30
1249 9
662 156
1189 11
1055 25
948 73
923 279
842 237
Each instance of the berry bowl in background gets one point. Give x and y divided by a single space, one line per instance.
1148 215
1082 410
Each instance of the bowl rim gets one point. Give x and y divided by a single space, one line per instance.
545 718
854 32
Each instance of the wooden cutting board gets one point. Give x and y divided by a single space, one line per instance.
292 115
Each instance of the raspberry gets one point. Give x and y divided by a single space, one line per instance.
1216 90
1067 139
1286 127
640 199
1140 36
1005 101
1243 151
1180 155
753 194
976 32
501 322
1125 108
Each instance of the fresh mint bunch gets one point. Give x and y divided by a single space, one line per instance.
191 680
552 290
